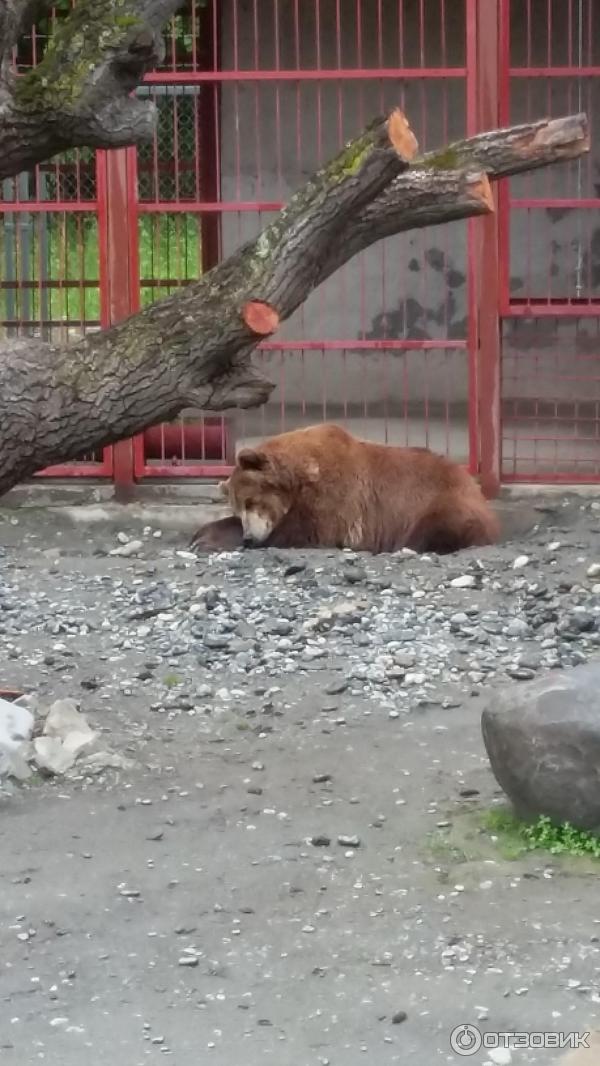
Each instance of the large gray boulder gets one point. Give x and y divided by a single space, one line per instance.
543 742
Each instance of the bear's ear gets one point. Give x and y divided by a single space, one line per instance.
250 459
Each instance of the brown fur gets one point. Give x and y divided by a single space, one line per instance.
224 535
321 487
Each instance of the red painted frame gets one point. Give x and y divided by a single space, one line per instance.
484 414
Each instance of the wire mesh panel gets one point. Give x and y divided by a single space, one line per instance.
49 288
49 249
551 371
253 96
170 255
551 251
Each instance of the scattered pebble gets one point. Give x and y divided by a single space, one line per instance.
520 562
349 841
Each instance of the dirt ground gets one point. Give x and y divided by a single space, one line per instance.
294 868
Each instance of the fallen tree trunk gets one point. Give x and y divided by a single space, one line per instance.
193 348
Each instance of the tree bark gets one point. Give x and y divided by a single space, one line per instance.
80 92
56 403
193 348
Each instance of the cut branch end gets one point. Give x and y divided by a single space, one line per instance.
260 317
479 189
401 136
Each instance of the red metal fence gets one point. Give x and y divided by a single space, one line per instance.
550 251
402 344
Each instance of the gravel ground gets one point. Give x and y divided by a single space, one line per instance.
293 870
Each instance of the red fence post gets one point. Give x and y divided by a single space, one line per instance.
483 98
119 295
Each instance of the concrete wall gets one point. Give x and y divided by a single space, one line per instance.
274 135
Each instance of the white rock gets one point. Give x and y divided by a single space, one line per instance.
465 581
122 538
16 724
500 1056
519 563
66 734
66 723
593 570
51 755
16 727
414 679
132 547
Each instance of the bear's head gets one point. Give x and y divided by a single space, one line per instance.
262 488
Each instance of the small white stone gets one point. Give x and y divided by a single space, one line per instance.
520 562
132 547
593 570
501 1056
465 581
414 679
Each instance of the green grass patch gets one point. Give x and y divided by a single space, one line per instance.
50 263
516 837
171 680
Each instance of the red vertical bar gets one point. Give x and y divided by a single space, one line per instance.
472 246
503 187
117 294
487 74
209 115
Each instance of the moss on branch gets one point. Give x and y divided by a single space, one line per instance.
448 158
79 45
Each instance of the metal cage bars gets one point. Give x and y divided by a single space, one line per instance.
245 109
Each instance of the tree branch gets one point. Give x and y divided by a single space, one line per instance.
438 188
80 92
56 403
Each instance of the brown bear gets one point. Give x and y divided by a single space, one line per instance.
322 487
